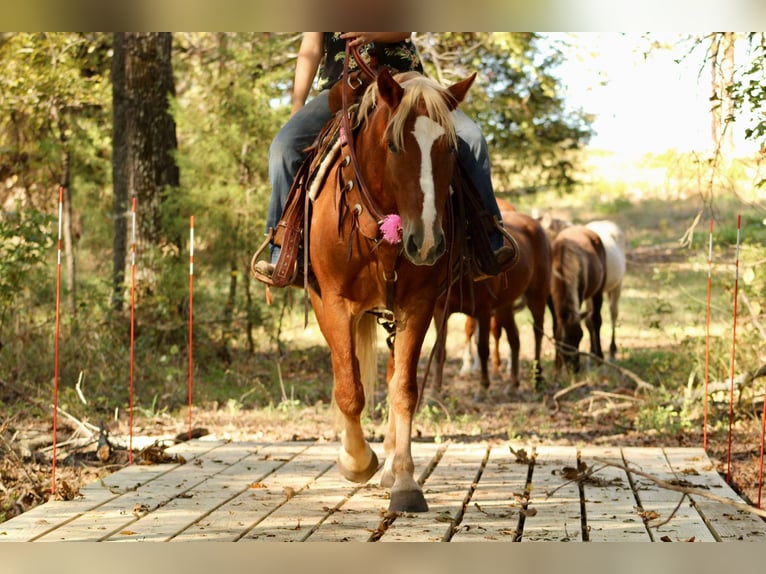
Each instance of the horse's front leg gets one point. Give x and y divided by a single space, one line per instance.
406 493
356 460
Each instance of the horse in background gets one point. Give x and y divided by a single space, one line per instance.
406 142
578 277
615 246
613 240
494 300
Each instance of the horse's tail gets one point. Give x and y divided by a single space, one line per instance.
367 355
366 344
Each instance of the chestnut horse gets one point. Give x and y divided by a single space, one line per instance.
578 275
405 141
495 300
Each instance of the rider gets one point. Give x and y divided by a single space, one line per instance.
392 49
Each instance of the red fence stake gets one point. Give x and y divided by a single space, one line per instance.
733 347
132 326
191 315
56 359
707 334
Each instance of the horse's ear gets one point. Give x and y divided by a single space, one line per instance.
459 90
389 89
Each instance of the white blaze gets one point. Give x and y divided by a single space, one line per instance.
426 132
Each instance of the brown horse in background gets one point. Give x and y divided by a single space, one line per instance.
405 141
494 298
578 275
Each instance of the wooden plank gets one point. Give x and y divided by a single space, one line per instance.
181 512
553 513
446 490
611 509
313 485
47 517
361 515
116 516
493 513
726 522
685 522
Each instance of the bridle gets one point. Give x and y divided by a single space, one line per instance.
349 132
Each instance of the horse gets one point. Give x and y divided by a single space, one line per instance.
578 276
405 142
613 239
495 300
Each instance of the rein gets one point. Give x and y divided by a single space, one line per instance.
367 197
347 128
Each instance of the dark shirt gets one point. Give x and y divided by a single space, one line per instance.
400 56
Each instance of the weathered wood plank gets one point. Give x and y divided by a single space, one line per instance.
726 522
611 508
685 522
446 489
363 513
266 490
46 518
553 513
116 516
493 512
170 519
293 492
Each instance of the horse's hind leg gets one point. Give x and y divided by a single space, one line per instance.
614 311
538 320
593 323
482 349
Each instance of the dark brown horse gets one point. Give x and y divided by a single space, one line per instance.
579 272
495 299
405 144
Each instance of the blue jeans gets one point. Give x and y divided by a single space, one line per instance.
287 153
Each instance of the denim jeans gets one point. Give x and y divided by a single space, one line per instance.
286 154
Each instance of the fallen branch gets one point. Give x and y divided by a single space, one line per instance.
687 490
567 390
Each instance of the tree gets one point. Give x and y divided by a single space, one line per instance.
518 101
150 133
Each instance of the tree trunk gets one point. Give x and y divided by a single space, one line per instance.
69 238
722 78
119 172
151 134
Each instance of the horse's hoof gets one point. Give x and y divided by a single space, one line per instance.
360 476
408 501
481 395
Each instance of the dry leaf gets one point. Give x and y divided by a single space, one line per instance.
257 485
289 492
649 515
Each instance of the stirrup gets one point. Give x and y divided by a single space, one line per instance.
513 244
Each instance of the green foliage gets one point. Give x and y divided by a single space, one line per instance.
535 140
24 239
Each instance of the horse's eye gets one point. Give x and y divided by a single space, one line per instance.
392 146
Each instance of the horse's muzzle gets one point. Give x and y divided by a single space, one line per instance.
420 252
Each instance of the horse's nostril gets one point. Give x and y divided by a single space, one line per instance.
412 246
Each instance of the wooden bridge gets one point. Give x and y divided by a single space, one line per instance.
477 492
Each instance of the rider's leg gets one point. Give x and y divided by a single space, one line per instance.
287 153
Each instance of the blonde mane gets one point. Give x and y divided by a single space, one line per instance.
416 88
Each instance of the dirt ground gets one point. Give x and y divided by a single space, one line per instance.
25 470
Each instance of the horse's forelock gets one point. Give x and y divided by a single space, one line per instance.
416 88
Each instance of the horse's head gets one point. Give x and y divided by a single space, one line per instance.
409 119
